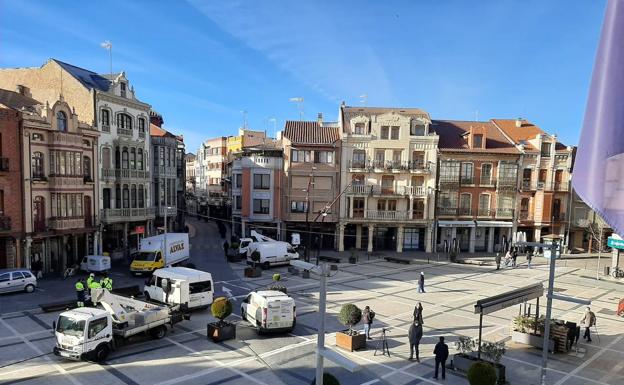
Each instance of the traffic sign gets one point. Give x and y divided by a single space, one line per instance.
615 243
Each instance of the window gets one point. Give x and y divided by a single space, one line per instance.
17 275
238 180
486 173
161 156
262 181
447 199
546 150
324 157
381 205
380 156
1 202
79 205
105 117
396 156
417 129
117 158
61 121
449 171
168 157
37 165
126 197
71 163
261 206
484 204
140 159
360 128
467 173
141 124
387 184
122 89
385 132
124 158
37 137
394 133
301 156
477 141
238 202
133 200
124 121
141 196
200 287
391 205
298 207
96 326
359 158
5 277
465 201
78 159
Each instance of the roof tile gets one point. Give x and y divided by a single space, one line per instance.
306 132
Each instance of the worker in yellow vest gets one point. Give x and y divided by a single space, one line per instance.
80 292
90 279
106 282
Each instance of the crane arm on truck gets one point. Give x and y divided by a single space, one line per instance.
119 306
257 237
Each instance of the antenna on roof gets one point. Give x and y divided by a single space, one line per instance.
363 99
476 115
106 44
244 112
299 101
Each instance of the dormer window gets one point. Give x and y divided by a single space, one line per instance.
417 129
545 150
394 133
477 141
61 121
360 128
122 89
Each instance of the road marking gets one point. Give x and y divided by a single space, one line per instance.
227 291
38 351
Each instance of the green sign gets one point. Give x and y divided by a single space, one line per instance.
615 243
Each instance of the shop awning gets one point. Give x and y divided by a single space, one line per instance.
493 224
456 223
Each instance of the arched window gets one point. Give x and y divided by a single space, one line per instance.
133 200
86 167
140 159
124 121
105 114
61 121
39 214
124 158
133 158
126 197
37 165
141 197
117 197
141 125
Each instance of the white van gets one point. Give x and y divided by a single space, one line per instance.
95 263
180 285
269 311
273 253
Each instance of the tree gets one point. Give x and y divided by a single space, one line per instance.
221 308
350 315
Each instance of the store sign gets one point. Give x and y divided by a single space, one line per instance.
615 243
139 230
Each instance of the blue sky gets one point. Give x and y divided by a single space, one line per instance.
200 63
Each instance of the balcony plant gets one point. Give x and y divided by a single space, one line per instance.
350 339
467 356
254 271
221 330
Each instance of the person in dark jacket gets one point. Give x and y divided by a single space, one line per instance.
514 256
418 317
421 282
367 317
415 335
226 246
498 261
441 352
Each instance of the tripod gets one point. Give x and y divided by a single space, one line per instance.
384 344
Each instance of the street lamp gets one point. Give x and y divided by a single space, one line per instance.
321 352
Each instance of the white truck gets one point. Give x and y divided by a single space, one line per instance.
189 288
152 254
273 254
92 333
269 311
247 245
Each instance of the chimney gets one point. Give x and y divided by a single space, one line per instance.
319 118
22 90
519 122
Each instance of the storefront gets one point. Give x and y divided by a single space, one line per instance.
414 238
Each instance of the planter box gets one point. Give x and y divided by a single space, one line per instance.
463 362
220 333
532 340
253 272
350 343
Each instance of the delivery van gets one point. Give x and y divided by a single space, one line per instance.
180 286
273 254
95 263
269 311
152 254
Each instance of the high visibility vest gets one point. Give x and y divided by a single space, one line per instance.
107 283
79 286
95 285
89 281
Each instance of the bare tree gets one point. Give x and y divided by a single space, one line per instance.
595 232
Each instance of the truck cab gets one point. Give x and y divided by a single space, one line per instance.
160 251
83 334
269 311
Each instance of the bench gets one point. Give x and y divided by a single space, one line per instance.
398 260
329 259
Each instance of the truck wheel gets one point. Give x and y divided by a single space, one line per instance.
266 266
159 332
100 354
147 296
243 315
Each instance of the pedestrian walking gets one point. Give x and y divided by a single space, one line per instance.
441 353
589 320
514 256
498 261
414 335
508 259
80 292
418 317
226 246
529 258
367 316
421 282
37 268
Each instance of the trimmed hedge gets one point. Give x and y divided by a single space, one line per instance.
328 379
481 373
221 308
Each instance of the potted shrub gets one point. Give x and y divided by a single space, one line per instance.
481 373
221 330
526 331
328 379
352 257
494 351
350 339
466 357
275 286
254 271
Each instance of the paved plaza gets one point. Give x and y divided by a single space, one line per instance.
187 357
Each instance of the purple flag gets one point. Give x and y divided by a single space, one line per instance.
598 174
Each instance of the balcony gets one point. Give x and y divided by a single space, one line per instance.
124 132
384 190
447 211
66 223
506 183
357 165
485 213
5 223
59 181
171 211
541 185
418 214
386 215
115 173
560 186
165 171
581 222
141 135
464 211
525 215
417 191
558 217
359 189
4 164
449 181
526 185
127 215
380 165
467 180
504 213
105 128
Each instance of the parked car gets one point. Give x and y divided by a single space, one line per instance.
17 280
269 311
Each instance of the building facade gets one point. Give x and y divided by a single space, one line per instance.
476 191
12 107
544 179
164 178
312 170
257 177
109 104
245 138
388 170
189 161
588 232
